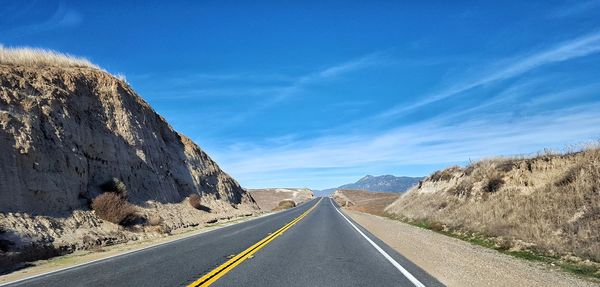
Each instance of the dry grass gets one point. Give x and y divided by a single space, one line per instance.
25 56
285 204
549 204
112 207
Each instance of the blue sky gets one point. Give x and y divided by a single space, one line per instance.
312 94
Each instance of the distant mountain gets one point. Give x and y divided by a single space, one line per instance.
385 183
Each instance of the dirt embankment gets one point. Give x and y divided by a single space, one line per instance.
269 198
549 204
66 131
365 201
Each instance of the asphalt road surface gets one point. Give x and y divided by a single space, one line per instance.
313 244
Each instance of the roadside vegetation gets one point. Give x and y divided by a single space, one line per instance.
577 266
544 208
285 204
112 205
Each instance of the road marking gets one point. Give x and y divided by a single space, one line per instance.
218 272
405 272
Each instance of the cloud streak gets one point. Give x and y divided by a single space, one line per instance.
434 141
301 83
575 48
63 16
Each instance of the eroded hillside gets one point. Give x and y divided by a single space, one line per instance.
65 131
69 130
548 204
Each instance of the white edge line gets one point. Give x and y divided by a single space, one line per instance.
132 251
405 272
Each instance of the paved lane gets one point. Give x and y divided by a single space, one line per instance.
321 249
324 250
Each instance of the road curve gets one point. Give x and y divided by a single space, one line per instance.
323 248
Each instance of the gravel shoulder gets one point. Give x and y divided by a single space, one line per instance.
459 263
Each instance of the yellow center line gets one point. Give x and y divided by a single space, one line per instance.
218 272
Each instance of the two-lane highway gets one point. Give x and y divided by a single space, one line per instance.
313 244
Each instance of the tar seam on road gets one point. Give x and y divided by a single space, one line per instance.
405 272
218 272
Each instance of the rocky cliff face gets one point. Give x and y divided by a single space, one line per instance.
64 131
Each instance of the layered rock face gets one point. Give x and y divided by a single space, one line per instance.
65 131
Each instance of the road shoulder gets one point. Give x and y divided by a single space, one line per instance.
459 263
88 256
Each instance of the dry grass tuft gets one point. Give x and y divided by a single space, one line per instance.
112 207
26 56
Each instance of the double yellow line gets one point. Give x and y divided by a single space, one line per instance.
218 272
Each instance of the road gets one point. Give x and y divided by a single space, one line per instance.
313 244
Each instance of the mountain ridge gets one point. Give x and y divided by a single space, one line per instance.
381 183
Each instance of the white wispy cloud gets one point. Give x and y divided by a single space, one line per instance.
301 83
429 142
63 16
579 47
575 8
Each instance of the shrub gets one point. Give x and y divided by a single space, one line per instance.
112 207
505 165
570 176
285 204
196 202
115 185
494 184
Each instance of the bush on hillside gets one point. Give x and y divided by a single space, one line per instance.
285 204
112 207
493 184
